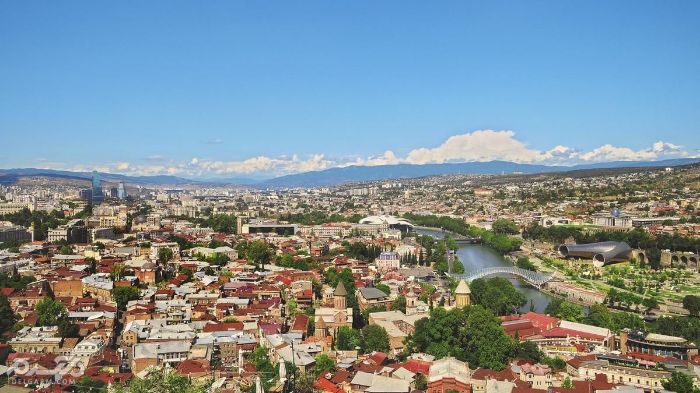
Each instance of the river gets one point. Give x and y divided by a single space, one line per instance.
476 256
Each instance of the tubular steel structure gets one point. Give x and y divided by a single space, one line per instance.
533 278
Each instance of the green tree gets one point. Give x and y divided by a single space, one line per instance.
7 316
165 255
399 304
421 382
164 381
347 338
570 312
524 263
529 350
503 226
118 270
384 288
66 250
123 294
88 385
497 294
472 334
692 304
15 281
374 338
484 340
567 383
323 363
259 253
680 383
49 312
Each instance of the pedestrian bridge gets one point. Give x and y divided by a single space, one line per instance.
533 278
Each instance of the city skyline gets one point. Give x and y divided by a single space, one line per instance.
262 90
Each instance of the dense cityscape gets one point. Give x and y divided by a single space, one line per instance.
562 282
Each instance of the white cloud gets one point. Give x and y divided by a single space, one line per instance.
386 158
480 145
488 145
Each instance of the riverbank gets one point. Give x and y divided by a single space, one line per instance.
478 256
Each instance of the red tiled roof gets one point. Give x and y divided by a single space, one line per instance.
7 291
325 385
563 332
417 366
301 322
483 374
222 327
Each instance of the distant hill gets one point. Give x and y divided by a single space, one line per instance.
349 174
8 175
335 176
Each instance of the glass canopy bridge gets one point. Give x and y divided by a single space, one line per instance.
535 279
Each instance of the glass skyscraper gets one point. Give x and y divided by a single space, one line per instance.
97 194
121 191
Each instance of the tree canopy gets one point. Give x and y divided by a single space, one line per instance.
471 334
49 312
497 295
162 381
375 338
123 294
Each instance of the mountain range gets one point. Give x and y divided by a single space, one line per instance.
381 172
335 176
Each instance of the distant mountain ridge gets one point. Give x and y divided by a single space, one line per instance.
350 174
111 177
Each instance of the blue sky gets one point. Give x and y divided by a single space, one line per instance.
264 88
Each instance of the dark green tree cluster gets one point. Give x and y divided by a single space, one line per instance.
360 250
259 253
164 381
41 220
692 304
497 294
183 243
626 300
600 315
263 366
686 327
504 226
85 384
525 263
305 263
51 312
374 338
471 334
565 310
15 281
554 234
222 223
123 295
216 259
7 316
368 339
409 259
680 383
499 242
348 339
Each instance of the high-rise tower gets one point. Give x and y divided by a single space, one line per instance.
97 194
